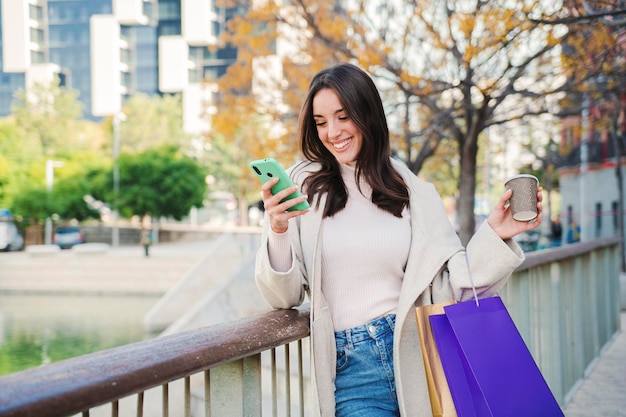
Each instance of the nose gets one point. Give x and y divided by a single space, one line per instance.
334 130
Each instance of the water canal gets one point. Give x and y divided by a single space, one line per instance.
68 304
40 329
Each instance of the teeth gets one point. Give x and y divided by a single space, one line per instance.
342 144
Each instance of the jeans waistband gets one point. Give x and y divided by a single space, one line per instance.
370 330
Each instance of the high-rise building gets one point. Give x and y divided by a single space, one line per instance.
109 50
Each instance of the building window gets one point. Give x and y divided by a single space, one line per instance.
35 12
36 36
169 28
126 33
127 81
125 57
169 9
148 10
37 57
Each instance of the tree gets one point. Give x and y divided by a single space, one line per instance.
5 177
76 180
48 113
227 168
17 154
34 204
447 70
160 182
150 122
30 139
247 126
73 181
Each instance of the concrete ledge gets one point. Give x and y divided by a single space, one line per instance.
91 248
42 250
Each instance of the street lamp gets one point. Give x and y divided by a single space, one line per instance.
117 119
50 165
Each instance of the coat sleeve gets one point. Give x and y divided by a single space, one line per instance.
439 263
282 289
491 262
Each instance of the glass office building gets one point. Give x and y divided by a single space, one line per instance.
109 50
68 42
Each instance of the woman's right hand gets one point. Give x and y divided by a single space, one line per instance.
277 211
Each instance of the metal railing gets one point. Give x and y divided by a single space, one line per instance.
565 302
217 368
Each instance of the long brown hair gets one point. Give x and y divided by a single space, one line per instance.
361 101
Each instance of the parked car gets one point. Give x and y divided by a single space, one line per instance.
10 236
68 236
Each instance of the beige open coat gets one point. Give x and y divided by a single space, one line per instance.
436 271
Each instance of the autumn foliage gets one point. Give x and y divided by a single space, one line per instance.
447 71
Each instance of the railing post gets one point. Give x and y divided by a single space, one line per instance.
236 388
578 336
596 325
252 386
612 259
556 364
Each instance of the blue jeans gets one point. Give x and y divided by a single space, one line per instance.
365 385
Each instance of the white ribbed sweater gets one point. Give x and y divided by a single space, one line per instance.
364 254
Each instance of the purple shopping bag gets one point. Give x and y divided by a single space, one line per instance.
490 371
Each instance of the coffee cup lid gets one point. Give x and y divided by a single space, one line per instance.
522 176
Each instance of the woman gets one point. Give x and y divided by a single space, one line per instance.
375 243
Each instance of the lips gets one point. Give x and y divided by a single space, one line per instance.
343 144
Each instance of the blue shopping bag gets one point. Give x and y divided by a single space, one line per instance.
489 369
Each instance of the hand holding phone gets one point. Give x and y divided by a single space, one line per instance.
267 169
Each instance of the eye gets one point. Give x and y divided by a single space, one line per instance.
320 123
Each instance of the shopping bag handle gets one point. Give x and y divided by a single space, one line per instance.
469 272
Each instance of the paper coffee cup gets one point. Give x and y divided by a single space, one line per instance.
523 201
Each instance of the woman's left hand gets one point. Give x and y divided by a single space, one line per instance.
501 219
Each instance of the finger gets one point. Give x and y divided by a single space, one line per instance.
504 198
299 200
286 192
267 186
535 223
289 203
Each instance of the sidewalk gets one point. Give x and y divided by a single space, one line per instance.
116 270
603 392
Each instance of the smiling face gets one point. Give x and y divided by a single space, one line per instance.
335 129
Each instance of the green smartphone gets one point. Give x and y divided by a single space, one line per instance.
268 168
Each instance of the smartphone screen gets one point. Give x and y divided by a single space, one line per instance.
268 168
